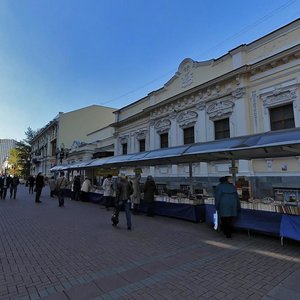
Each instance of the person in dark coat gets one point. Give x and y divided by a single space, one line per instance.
227 204
39 184
14 186
123 192
149 192
31 181
76 187
5 182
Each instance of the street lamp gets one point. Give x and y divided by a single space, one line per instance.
62 152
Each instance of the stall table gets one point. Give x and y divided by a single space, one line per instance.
195 213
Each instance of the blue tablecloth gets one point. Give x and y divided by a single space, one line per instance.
264 221
290 227
195 213
96 198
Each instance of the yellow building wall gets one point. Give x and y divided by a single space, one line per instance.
77 124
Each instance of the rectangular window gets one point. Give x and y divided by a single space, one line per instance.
188 135
142 145
53 148
282 117
222 130
164 140
124 149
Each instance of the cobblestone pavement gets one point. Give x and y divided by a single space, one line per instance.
73 252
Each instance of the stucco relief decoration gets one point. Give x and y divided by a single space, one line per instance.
187 118
162 126
124 139
239 93
200 106
186 75
279 97
220 109
141 134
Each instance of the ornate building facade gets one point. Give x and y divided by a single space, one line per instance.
254 88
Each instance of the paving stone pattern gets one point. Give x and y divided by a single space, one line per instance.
73 252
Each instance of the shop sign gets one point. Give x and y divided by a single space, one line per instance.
233 170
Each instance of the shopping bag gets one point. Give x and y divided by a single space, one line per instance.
216 220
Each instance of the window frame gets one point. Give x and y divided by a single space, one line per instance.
283 115
189 139
222 134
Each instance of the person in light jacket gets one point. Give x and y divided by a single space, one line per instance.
227 204
108 191
52 186
85 189
61 184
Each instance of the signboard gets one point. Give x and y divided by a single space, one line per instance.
233 170
105 172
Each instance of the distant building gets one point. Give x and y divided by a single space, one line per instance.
5 146
54 142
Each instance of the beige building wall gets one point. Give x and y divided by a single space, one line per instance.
75 125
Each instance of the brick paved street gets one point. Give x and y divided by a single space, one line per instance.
73 252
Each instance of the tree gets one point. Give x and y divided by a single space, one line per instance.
14 162
20 156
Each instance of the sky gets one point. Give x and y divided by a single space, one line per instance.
62 55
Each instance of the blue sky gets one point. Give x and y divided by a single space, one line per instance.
61 55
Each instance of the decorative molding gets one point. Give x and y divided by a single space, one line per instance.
162 126
187 118
239 93
200 106
220 108
185 72
141 134
279 96
124 139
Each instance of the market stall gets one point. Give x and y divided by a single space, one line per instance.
281 143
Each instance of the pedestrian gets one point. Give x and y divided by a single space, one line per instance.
76 187
52 186
136 196
14 186
5 184
31 182
149 192
123 192
61 184
39 184
227 204
108 191
85 189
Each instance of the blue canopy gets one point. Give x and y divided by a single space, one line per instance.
281 143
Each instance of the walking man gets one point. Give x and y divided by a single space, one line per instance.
14 186
61 184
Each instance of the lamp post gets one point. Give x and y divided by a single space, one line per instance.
62 153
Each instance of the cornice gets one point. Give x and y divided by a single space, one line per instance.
209 90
